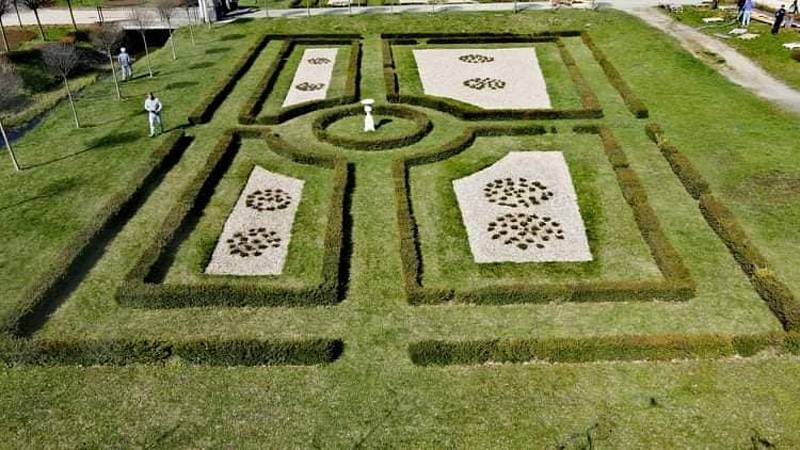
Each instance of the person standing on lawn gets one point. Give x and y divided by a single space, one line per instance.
125 62
747 10
739 10
779 15
791 14
154 107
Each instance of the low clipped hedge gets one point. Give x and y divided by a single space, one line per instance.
632 101
676 285
691 178
139 290
773 291
248 114
215 351
423 127
591 105
588 98
34 299
205 110
601 348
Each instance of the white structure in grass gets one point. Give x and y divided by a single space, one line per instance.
369 120
255 238
523 208
313 76
507 78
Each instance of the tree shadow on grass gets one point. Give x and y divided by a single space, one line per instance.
180 85
382 123
52 189
214 51
109 140
201 65
232 37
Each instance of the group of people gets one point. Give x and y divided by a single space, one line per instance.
783 17
152 104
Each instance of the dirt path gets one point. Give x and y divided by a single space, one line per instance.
737 68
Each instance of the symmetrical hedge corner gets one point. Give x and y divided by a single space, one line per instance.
249 113
591 106
772 290
34 300
140 289
676 283
634 103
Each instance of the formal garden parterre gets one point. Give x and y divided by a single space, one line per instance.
378 241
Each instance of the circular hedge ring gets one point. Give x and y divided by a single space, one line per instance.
360 140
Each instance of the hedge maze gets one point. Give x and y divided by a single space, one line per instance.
658 312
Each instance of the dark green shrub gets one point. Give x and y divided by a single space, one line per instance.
588 98
796 54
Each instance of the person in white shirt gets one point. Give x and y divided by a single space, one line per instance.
154 107
125 63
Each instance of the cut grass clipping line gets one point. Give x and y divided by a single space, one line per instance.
773 291
676 285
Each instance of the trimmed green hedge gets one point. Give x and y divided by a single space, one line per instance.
423 126
139 290
600 348
588 98
205 110
677 284
218 352
634 103
774 292
248 114
34 299
591 106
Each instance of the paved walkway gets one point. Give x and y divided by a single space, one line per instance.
737 68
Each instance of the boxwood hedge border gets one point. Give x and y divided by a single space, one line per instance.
34 300
140 290
591 108
676 283
598 348
422 127
211 351
251 108
780 299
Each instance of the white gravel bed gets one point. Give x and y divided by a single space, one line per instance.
313 76
507 78
523 208
255 238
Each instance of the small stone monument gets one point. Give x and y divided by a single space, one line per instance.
369 121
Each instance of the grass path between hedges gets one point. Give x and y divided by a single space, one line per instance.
373 396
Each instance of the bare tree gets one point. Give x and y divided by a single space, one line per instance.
9 96
166 9
140 21
62 59
72 15
5 7
187 6
16 9
107 37
34 6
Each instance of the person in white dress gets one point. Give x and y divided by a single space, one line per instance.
369 121
154 107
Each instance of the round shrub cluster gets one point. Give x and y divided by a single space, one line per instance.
519 193
480 84
525 230
308 87
253 242
268 200
475 59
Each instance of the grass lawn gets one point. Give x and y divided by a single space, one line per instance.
767 50
374 396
